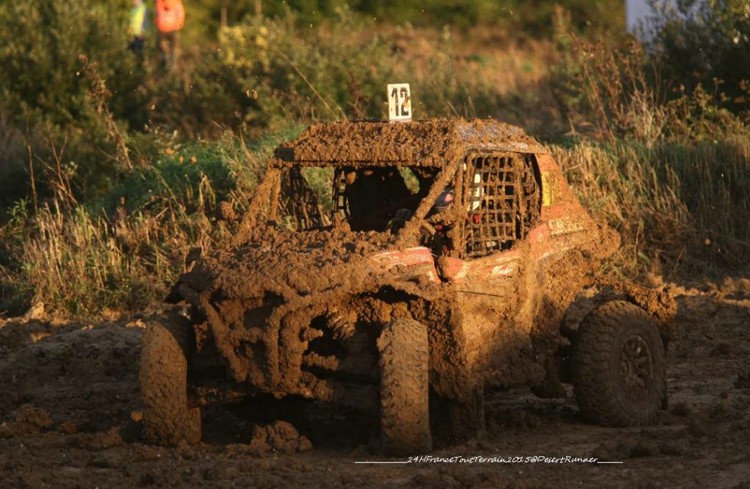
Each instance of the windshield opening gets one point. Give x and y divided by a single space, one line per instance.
377 198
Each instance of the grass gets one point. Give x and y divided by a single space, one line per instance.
678 197
679 209
126 252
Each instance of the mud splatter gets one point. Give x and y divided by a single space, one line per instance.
424 143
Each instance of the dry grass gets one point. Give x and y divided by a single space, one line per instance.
679 209
78 261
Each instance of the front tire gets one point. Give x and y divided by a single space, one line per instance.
167 418
404 388
619 367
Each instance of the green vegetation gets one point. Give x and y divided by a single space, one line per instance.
112 169
678 208
704 44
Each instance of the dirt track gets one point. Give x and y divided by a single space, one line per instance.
70 407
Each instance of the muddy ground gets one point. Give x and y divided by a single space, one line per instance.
70 411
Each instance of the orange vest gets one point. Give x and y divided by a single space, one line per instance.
170 15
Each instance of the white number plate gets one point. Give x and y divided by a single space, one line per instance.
399 102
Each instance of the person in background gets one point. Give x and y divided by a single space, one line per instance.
137 27
170 18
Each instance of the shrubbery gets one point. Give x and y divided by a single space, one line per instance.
48 49
133 165
703 45
124 251
523 18
615 89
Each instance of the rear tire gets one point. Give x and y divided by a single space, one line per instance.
404 388
167 418
619 367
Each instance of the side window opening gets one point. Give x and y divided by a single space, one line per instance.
502 199
301 203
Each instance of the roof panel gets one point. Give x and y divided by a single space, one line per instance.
417 143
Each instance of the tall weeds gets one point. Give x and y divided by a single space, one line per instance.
666 167
678 208
81 260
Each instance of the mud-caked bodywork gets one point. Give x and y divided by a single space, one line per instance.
468 228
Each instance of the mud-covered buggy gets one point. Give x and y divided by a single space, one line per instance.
400 269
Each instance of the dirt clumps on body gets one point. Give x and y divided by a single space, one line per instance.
428 143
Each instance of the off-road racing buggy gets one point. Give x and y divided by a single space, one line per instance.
400 269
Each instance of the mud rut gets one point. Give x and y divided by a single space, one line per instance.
70 413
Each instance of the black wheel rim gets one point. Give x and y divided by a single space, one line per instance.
636 367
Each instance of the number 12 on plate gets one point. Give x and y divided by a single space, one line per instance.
399 102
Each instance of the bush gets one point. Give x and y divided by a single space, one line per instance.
705 44
65 66
339 70
333 72
13 164
613 90
121 197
